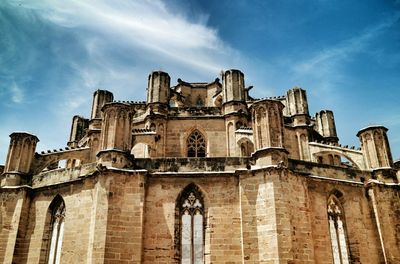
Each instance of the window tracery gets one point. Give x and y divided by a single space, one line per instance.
337 232
196 145
192 228
57 231
199 102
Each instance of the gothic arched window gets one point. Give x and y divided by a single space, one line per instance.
191 213
246 148
337 231
57 208
199 102
196 145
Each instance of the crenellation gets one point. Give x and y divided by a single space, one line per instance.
201 172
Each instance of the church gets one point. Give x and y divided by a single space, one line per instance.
201 173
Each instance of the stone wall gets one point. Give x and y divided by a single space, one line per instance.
125 218
269 215
363 243
12 211
222 218
285 219
212 129
388 213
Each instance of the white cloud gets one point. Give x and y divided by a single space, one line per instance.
119 42
108 45
17 94
139 26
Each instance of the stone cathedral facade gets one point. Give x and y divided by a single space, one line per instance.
201 173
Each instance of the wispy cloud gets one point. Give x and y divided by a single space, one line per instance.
122 41
17 94
148 25
67 49
324 61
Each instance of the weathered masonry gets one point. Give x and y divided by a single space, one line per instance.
201 173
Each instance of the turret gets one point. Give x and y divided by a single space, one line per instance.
375 147
158 87
234 94
233 86
234 107
20 156
325 126
297 106
116 128
78 127
267 118
116 134
100 98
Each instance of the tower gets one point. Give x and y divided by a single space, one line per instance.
297 106
78 127
297 109
158 95
158 87
325 124
233 86
267 118
100 98
234 107
116 134
20 155
375 147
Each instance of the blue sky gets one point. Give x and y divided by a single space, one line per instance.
55 54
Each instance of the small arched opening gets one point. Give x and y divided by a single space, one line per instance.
246 147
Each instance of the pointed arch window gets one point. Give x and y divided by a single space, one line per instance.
199 102
191 212
57 208
196 145
337 231
246 148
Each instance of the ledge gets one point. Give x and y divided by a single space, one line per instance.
209 164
